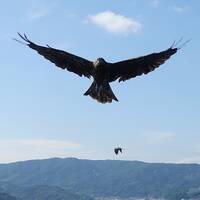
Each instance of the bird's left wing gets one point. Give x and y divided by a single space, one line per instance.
116 151
131 68
63 59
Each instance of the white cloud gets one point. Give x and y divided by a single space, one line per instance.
155 3
25 149
38 14
115 23
180 9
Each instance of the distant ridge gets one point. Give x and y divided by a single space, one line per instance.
80 159
106 178
84 159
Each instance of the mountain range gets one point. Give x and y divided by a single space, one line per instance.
75 179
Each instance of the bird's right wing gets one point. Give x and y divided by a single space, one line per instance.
63 59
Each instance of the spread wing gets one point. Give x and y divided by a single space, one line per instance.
131 68
116 151
63 59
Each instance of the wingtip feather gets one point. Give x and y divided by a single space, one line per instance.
24 38
177 45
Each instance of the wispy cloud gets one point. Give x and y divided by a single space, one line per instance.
115 23
38 14
192 156
159 137
71 15
155 3
181 9
24 149
190 159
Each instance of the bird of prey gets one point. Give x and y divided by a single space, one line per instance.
101 71
117 150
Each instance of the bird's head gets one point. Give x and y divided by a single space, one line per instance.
99 61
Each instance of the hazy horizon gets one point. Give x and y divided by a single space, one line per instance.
140 161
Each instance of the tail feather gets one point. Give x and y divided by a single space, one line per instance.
102 93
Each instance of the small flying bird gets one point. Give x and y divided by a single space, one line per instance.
117 150
103 72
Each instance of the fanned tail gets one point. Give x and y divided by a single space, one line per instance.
102 93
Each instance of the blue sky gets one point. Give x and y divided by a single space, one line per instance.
43 112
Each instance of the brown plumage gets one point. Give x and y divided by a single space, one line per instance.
102 72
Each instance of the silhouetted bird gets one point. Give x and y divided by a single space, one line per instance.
103 72
117 150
